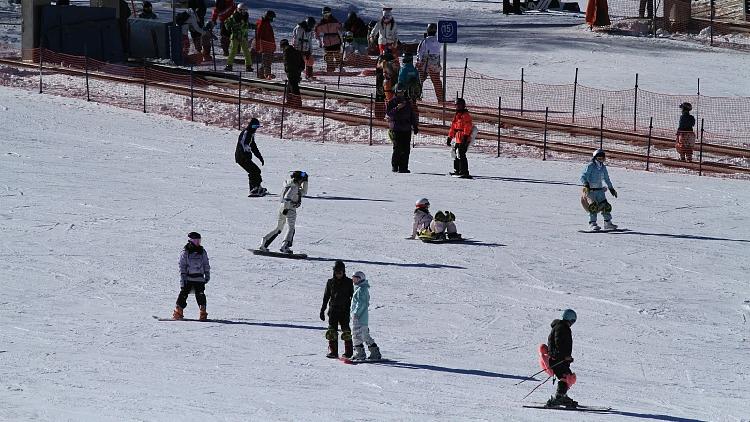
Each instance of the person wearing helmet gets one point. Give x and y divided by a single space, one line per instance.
328 33
402 121
302 36
295 188
593 197
685 135
360 320
461 131
338 299
294 64
195 272
386 32
358 28
243 155
422 218
556 357
428 60
222 12
238 26
265 44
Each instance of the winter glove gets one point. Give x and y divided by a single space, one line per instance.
586 188
448 141
613 192
569 359
207 276
416 130
285 212
322 314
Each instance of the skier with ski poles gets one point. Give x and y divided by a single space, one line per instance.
555 358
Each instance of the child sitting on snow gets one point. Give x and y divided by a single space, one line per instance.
443 223
422 218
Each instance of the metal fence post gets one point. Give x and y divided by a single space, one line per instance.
601 129
144 85
635 104
499 122
698 103
239 102
372 105
700 153
521 92
325 97
544 151
41 60
213 52
648 149
283 109
713 15
86 69
463 81
192 96
575 93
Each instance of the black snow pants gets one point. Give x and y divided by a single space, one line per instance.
253 172
338 318
200 296
401 151
461 163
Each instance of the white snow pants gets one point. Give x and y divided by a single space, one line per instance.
361 334
290 218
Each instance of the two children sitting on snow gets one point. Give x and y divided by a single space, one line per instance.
427 227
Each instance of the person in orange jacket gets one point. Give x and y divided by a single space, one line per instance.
265 43
460 131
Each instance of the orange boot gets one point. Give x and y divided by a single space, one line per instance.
202 315
177 314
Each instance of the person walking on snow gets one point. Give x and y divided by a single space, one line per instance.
294 64
360 320
302 36
422 218
291 199
243 155
338 299
195 272
461 131
556 356
594 177
402 121
386 32
428 60
238 26
265 43
685 135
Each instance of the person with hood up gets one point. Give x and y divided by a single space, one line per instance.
195 272
428 60
338 299
402 121
408 77
358 28
386 32
328 32
295 188
360 320
302 36
265 44
461 131
243 155
593 179
148 11
422 218
239 26
555 358
685 135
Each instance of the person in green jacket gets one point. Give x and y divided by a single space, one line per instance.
360 319
238 26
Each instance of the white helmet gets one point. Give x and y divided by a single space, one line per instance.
423 203
242 6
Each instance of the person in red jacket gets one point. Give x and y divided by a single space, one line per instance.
265 44
460 131
222 12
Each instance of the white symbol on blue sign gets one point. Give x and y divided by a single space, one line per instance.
447 31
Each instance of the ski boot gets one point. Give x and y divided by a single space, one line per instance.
286 249
202 314
454 236
333 349
177 314
374 352
594 227
359 352
262 248
348 349
561 401
609 226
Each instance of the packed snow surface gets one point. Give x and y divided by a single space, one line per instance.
96 202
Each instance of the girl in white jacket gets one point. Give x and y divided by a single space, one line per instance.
291 199
386 32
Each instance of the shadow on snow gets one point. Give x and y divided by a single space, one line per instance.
241 321
396 264
683 236
346 198
651 416
512 179
476 372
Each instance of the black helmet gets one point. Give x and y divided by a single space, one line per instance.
326 10
352 15
254 124
310 22
408 57
194 235
270 14
299 176
460 103
387 56
599 153
432 29
339 266
686 106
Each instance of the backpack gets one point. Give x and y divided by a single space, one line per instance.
414 89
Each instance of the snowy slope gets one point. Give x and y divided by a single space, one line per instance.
95 203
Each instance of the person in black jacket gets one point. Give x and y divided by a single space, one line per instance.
199 6
685 135
560 346
338 299
243 155
294 64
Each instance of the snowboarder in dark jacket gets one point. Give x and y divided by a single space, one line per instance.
243 155
338 299
560 346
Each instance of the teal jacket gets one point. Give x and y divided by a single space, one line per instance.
361 302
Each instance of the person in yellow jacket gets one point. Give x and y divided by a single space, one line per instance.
238 26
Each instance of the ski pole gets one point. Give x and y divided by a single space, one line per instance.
532 376
540 384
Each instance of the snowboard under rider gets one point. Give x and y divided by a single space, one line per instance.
291 199
593 179
338 299
195 271
243 155
360 320
422 217
556 357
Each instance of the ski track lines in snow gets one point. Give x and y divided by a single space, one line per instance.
90 253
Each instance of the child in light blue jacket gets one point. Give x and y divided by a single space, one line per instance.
360 319
593 179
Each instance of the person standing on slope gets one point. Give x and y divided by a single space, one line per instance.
243 155
594 177
195 271
685 135
556 357
461 131
338 299
302 36
428 60
360 319
291 199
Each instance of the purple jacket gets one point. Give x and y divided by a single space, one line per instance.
403 119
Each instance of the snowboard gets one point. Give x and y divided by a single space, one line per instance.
579 408
443 240
604 231
178 320
279 254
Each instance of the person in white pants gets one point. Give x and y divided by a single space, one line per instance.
360 317
291 199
